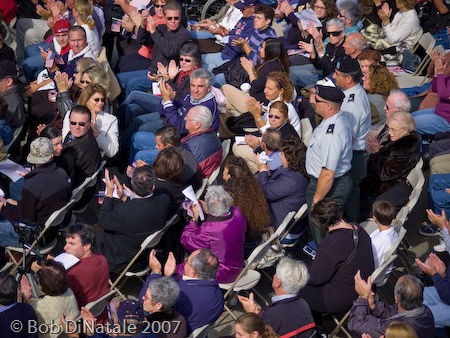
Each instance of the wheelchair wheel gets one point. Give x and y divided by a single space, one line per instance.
212 7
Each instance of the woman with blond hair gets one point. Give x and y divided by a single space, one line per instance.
82 12
104 126
250 325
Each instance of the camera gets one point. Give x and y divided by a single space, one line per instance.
27 231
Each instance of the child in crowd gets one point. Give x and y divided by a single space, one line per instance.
6 133
385 235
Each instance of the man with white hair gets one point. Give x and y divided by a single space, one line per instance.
354 44
395 102
288 314
202 141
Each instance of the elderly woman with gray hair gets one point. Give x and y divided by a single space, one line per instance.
388 168
158 299
222 232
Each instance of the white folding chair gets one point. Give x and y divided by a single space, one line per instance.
248 278
98 306
225 150
200 332
149 242
307 130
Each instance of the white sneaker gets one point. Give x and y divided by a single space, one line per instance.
440 247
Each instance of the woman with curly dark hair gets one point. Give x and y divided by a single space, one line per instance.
58 297
248 196
285 188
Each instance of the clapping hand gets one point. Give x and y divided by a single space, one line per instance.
254 107
247 65
239 42
173 69
167 92
385 13
249 303
307 47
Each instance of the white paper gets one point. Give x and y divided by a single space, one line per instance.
240 140
190 194
155 88
115 194
224 39
308 15
66 259
12 169
137 3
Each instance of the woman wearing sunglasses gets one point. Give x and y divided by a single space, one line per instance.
104 126
325 58
278 118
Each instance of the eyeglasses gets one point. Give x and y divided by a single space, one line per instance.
99 99
394 130
185 60
276 117
320 8
337 33
81 124
174 18
85 82
158 6
341 16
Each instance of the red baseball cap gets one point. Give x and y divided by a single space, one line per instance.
61 26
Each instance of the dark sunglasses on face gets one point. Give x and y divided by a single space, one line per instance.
85 82
337 33
81 124
159 6
175 18
276 117
185 60
99 99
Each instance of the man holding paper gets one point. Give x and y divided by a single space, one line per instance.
127 221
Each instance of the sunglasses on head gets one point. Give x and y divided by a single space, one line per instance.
81 124
276 117
159 6
337 33
175 18
185 60
99 99
85 82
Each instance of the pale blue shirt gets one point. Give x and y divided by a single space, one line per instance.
356 107
330 146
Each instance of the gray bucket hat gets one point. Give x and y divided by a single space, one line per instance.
41 151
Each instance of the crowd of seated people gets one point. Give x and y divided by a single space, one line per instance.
305 92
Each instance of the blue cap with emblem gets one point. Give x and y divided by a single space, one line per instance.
348 65
332 94
243 4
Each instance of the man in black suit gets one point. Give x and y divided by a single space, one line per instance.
127 221
80 157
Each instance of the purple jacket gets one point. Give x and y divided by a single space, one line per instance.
173 112
363 320
224 236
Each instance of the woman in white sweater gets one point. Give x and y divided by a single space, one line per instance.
104 126
405 25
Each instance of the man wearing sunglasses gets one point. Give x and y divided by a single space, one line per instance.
357 109
329 155
80 157
166 39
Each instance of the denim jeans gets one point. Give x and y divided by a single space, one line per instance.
439 199
8 236
440 310
200 35
212 60
144 144
428 123
138 103
33 63
136 80
304 75
15 189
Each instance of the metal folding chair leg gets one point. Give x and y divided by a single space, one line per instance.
340 326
